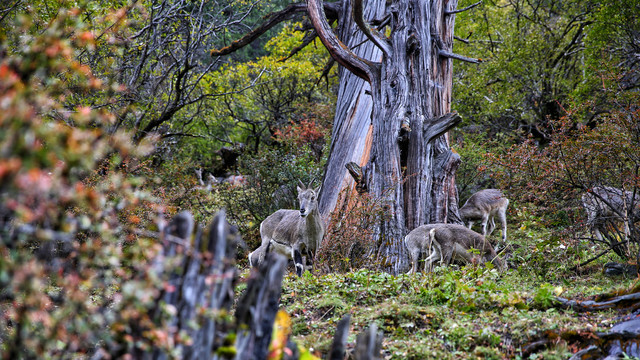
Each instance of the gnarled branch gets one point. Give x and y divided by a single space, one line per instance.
273 19
466 41
370 33
360 67
458 57
449 12
441 125
357 173
308 38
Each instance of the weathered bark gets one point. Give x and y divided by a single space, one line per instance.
352 132
405 161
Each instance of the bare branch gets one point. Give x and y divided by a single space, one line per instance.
325 71
358 175
371 34
441 125
272 20
308 38
458 57
360 67
449 12
7 11
466 41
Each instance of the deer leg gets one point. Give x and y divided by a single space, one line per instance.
502 217
415 256
485 219
435 252
470 224
492 226
297 260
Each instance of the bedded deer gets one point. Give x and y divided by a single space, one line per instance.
608 206
449 242
484 206
292 232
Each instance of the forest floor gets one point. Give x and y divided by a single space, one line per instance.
462 312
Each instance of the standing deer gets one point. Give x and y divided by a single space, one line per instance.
485 205
449 242
292 232
607 205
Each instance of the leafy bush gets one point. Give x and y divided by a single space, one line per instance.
70 214
583 153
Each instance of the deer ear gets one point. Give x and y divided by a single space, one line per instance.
300 190
317 190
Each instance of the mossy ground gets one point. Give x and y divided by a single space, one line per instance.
460 312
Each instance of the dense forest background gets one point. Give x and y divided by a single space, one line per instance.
110 109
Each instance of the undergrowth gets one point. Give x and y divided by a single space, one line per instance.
461 312
469 312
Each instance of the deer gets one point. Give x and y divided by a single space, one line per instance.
210 181
448 242
484 206
292 232
609 205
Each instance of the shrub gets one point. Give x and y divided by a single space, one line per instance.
590 145
71 224
347 243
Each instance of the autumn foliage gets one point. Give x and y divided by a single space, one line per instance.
596 143
70 223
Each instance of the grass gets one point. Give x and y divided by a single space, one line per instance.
459 312
451 314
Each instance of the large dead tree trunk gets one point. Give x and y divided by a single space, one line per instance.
393 111
401 144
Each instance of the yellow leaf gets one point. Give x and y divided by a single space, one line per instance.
281 332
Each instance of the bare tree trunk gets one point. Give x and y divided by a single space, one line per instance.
409 163
351 134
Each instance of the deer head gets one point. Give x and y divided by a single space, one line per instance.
308 199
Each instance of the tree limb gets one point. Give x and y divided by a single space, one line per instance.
325 71
308 38
619 302
466 41
272 20
441 125
357 173
360 67
449 12
371 34
458 57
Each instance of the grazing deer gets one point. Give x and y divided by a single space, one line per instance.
608 205
292 232
448 242
485 205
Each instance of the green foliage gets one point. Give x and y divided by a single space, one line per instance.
263 96
537 57
530 53
475 149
